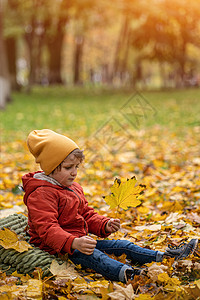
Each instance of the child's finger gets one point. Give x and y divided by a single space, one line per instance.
90 247
90 240
115 224
115 227
88 251
117 221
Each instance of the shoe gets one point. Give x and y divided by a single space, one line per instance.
182 251
129 274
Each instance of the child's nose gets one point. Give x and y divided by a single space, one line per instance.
74 171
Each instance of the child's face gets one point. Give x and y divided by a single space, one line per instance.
67 174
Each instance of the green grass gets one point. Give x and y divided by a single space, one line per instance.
83 111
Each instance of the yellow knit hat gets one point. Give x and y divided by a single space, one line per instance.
49 148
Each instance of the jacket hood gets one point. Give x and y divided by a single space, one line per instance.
30 184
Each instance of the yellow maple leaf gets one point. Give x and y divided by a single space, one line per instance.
10 240
125 194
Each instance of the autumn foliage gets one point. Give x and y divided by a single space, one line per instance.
166 211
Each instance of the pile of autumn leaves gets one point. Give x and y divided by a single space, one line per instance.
162 206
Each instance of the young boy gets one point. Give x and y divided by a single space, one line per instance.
60 219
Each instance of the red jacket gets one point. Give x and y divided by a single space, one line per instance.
57 215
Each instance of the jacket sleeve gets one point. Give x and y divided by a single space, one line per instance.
96 223
43 214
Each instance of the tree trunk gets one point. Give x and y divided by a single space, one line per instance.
30 38
39 66
124 60
5 88
138 74
163 74
78 52
12 59
182 64
122 41
55 57
55 44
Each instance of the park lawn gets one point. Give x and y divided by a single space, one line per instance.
84 111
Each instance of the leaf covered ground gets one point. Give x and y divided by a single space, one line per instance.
169 166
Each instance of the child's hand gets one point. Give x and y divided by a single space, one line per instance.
113 225
84 244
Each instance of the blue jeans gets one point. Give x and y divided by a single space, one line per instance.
111 268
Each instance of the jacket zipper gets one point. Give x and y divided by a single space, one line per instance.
85 227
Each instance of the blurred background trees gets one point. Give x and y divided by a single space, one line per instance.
154 43
5 88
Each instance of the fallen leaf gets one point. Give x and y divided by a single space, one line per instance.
160 239
10 240
11 291
173 217
163 277
95 284
197 282
34 289
144 297
194 217
154 270
155 227
143 210
122 293
106 290
66 270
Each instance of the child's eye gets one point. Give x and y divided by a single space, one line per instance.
67 168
